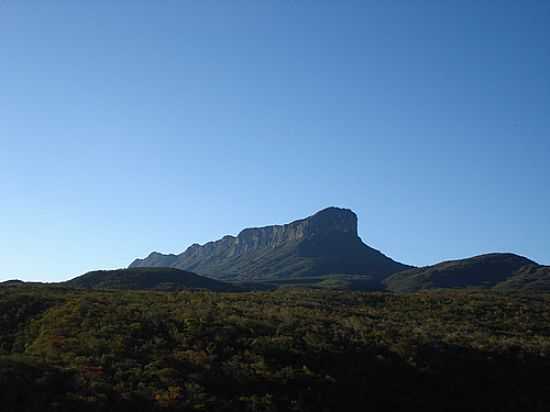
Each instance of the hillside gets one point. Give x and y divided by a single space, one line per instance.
480 271
86 350
324 243
12 282
531 277
146 278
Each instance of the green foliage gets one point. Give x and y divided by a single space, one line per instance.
288 350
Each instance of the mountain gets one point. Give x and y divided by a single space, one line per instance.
325 243
12 282
479 271
146 278
531 277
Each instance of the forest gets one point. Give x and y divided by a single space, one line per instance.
64 349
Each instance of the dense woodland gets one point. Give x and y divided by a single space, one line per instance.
288 350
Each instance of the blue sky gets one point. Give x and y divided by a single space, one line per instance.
127 127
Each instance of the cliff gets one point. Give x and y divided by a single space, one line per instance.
326 242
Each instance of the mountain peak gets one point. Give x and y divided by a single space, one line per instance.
326 221
333 210
334 219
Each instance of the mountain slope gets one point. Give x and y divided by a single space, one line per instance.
479 271
146 278
532 277
325 243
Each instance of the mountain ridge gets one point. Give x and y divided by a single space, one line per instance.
146 279
325 242
485 271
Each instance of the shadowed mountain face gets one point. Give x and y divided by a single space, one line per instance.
146 278
325 243
12 282
480 271
532 278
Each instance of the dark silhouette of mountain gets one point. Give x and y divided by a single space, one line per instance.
531 277
146 278
12 282
325 243
479 271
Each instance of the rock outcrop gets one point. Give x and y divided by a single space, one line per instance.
324 243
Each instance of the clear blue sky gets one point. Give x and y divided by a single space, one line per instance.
133 126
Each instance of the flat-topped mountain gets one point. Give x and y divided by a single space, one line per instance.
483 271
325 243
146 278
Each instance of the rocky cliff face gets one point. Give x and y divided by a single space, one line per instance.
280 250
327 221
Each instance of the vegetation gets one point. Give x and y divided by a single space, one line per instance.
331 281
147 278
485 271
288 350
532 277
